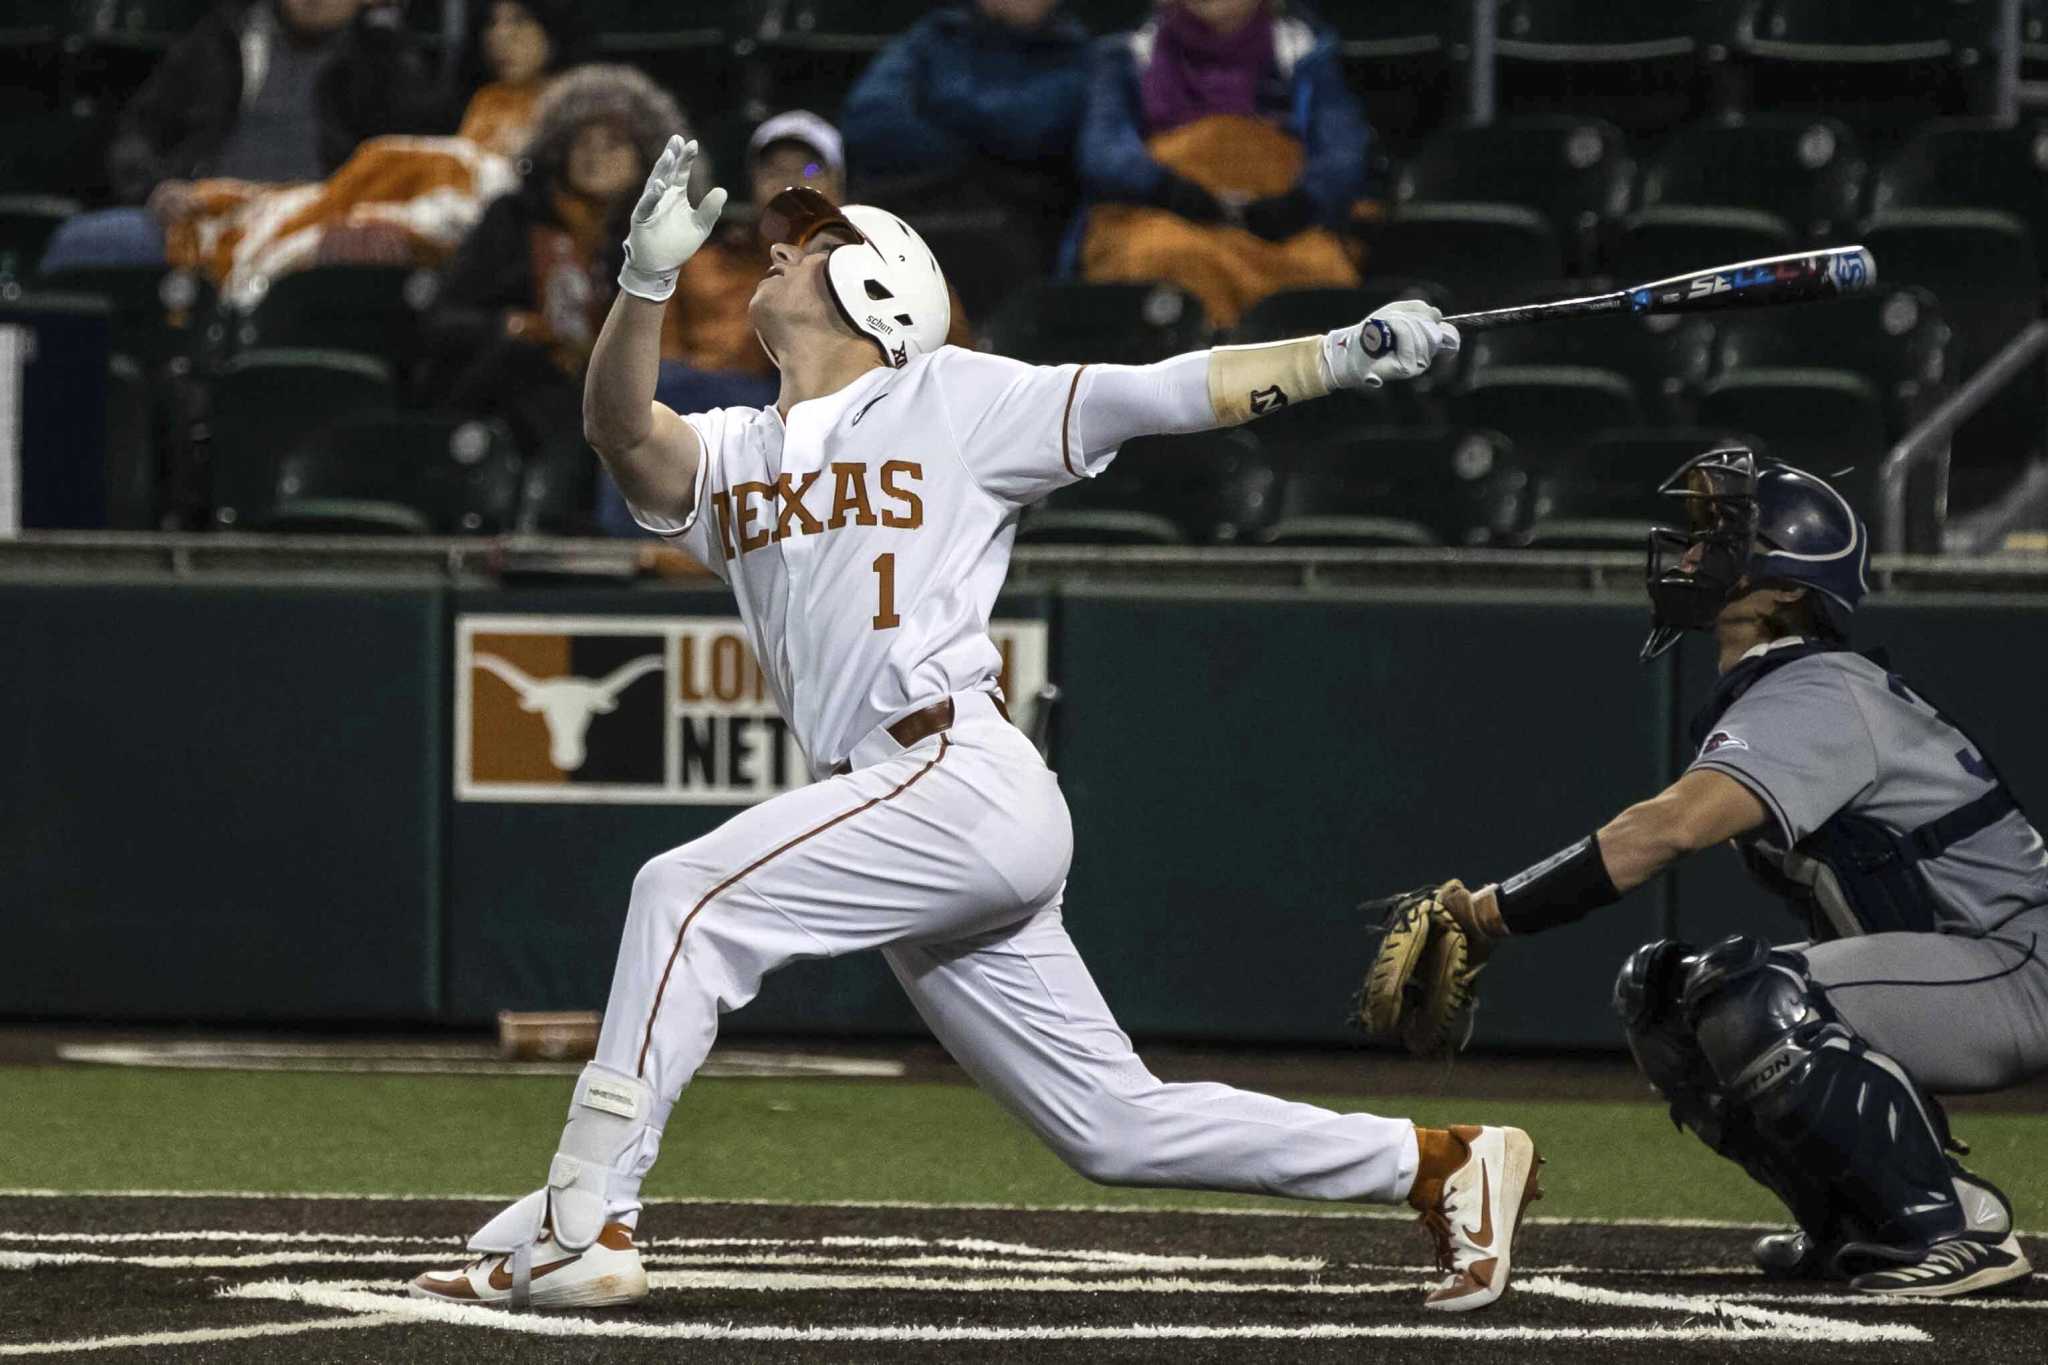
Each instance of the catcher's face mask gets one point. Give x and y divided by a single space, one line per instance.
1692 573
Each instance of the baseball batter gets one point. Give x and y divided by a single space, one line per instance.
1921 886
864 524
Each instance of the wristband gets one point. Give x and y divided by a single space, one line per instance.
656 286
1567 885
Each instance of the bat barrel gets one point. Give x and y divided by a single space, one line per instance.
1798 278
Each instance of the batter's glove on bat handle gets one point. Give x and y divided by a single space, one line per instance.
1397 342
666 230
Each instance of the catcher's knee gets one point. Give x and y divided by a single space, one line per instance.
1746 1002
1648 997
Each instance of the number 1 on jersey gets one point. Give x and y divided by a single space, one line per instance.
885 570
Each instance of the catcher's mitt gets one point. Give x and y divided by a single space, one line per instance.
1419 987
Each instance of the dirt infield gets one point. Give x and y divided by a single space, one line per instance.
239 1279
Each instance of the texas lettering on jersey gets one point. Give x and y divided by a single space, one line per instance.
754 514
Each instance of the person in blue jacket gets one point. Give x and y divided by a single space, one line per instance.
976 106
1221 149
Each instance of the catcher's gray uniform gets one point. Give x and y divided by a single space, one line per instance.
1948 973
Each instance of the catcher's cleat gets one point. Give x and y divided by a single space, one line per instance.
1956 1265
604 1275
1476 1214
1794 1255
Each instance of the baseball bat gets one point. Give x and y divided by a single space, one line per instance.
1799 278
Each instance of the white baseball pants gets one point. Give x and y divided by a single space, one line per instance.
951 856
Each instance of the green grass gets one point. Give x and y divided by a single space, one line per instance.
805 1141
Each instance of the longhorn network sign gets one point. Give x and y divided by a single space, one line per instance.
662 710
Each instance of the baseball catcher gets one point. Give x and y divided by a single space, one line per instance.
1922 885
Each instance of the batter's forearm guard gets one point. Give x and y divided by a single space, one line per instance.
1252 381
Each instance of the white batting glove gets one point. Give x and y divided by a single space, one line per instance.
1396 342
666 231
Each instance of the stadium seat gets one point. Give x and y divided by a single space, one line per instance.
1637 65
262 402
2033 39
1894 336
404 474
1164 490
1574 171
1545 408
1879 65
1822 420
26 222
117 44
373 309
60 151
1971 163
983 261
1401 56
1665 358
1057 322
1602 493
1677 239
1982 266
816 49
1479 251
685 48
161 317
1390 487
558 491
1806 169
132 469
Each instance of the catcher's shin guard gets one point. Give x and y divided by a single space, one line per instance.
1819 1099
608 1116
1648 995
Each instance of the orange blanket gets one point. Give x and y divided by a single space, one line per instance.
1236 159
397 200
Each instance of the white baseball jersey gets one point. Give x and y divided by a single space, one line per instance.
867 536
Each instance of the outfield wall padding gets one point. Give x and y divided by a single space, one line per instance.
238 804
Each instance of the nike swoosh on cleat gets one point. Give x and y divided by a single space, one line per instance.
1483 1237
501 1279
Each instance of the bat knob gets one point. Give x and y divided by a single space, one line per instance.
1852 268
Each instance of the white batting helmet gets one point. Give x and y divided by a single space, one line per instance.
887 282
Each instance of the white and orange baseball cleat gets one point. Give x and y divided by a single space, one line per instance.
606 1274
1474 1211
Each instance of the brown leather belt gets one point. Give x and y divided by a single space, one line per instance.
934 719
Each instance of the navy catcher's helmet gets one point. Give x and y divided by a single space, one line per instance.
1752 525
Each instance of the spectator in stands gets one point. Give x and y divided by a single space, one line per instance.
1222 149
976 105
261 90
513 47
521 303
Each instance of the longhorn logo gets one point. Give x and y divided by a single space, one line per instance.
567 705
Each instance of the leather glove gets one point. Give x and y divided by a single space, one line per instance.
1281 216
666 231
1397 342
1184 198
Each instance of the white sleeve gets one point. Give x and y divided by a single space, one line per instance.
696 534
1025 430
